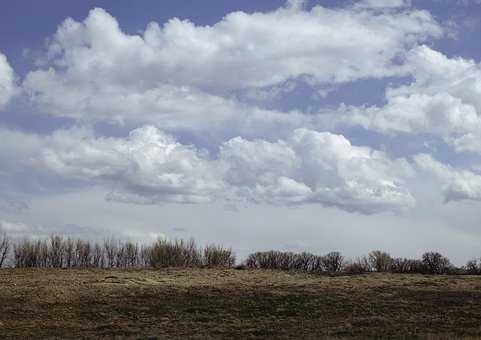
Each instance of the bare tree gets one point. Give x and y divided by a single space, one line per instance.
26 254
406 266
145 255
435 263
56 251
4 248
110 248
380 261
131 254
358 266
83 253
69 253
98 256
43 253
333 261
473 267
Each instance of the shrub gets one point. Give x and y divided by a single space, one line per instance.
306 262
285 261
217 256
175 254
67 253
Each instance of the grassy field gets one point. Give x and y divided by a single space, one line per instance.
213 303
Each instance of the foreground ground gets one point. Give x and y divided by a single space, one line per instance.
211 303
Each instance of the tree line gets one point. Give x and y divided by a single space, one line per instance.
60 252
376 261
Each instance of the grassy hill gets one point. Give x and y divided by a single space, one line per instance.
229 303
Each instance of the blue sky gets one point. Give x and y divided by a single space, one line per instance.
235 121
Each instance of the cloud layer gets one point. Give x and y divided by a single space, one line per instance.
95 71
310 167
180 79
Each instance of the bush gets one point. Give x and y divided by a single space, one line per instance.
176 253
306 262
285 261
217 256
58 252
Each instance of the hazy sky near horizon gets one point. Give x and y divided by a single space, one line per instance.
298 125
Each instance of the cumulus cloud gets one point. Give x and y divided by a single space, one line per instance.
458 184
146 167
96 71
7 82
443 99
184 76
309 167
316 167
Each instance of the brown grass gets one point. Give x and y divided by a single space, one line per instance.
228 303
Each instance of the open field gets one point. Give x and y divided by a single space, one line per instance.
216 303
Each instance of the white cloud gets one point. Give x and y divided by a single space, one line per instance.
7 82
443 99
316 167
440 113
96 71
150 167
458 184
171 107
146 167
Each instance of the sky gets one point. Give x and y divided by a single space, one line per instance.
292 125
